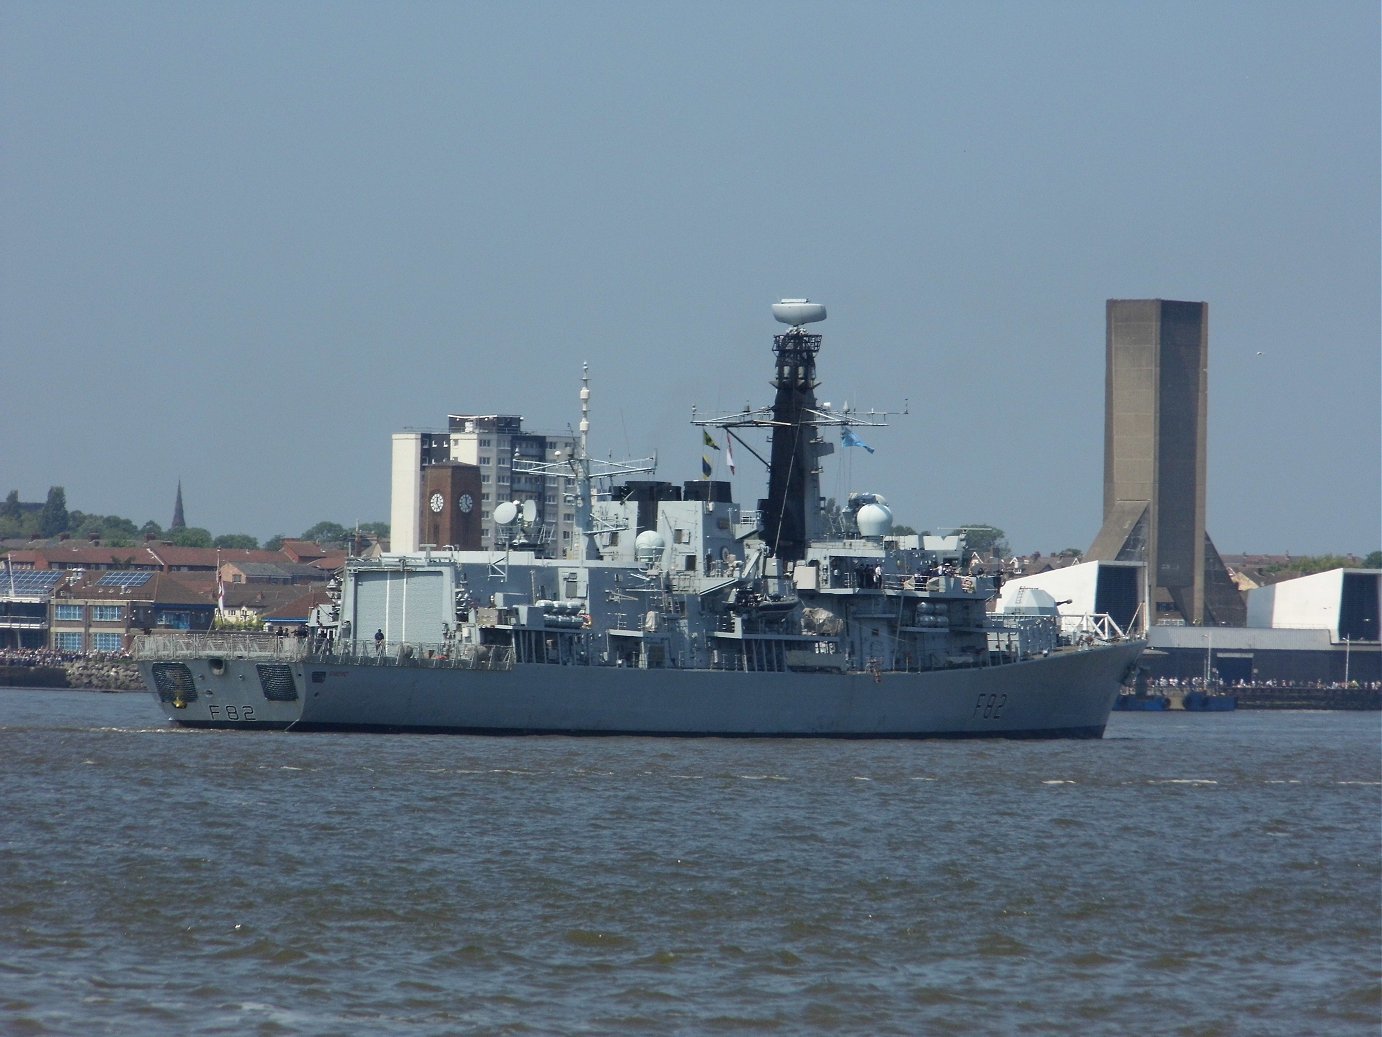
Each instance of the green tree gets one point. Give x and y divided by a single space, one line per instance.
986 540
903 531
192 536
381 529
327 533
151 529
117 526
118 532
10 509
53 519
236 540
1373 560
274 543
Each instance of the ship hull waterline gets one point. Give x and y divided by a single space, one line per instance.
1066 695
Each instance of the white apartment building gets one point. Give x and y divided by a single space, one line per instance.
491 443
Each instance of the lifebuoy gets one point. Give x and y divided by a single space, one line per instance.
585 620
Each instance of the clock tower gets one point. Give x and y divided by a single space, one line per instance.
449 506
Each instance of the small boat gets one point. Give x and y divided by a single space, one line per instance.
1209 702
1132 702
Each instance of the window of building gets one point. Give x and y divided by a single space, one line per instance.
105 614
484 477
484 496
484 441
566 534
67 642
68 613
174 620
106 642
486 460
484 515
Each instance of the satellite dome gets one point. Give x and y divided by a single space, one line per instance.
649 545
875 520
797 312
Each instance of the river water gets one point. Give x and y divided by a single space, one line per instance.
1207 874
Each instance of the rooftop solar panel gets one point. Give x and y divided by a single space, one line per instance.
28 581
125 578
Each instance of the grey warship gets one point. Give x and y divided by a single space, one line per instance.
675 612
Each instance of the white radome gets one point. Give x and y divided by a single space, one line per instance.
797 312
649 545
875 520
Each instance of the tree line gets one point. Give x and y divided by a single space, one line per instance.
24 521
21 521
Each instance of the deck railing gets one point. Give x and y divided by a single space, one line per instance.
271 648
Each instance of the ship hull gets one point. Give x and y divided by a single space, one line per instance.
1066 695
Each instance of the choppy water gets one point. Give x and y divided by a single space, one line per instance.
1189 874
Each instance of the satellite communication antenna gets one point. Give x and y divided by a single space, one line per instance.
529 512
505 512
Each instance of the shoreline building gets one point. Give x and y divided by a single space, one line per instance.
1155 422
446 486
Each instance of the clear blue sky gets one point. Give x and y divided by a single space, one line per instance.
243 244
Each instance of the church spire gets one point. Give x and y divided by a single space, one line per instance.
178 521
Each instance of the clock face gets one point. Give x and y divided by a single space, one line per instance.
436 502
465 502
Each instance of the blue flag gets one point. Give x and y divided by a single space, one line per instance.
848 438
705 468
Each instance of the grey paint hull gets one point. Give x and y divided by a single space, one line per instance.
1068 694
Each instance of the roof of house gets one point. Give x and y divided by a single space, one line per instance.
183 588
263 598
280 570
303 550
298 609
82 554
175 557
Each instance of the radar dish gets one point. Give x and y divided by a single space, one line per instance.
529 512
505 512
797 312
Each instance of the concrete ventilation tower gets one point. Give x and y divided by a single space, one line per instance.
1155 408
179 522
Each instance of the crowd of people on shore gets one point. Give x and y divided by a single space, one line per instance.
54 657
1199 683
